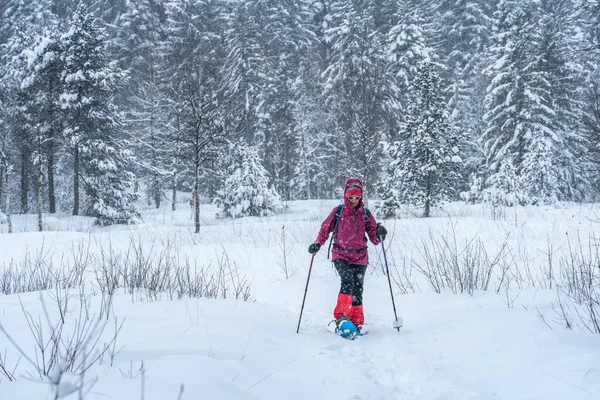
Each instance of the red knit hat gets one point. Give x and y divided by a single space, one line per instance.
353 191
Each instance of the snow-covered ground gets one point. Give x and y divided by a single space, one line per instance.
506 345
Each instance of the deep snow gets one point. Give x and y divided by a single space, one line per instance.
452 346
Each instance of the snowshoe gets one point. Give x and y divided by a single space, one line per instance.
345 328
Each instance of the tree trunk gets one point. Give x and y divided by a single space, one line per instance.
40 197
307 179
197 192
174 198
148 193
51 192
24 180
7 198
156 190
2 183
76 180
427 211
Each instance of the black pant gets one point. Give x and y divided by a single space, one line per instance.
353 279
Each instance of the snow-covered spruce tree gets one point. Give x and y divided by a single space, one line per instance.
592 22
530 103
246 191
13 69
315 130
426 161
560 48
291 37
196 99
406 46
312 132
100 158
138 39
43 82
463 31
245 78
591 135
15 14
6 159
355 90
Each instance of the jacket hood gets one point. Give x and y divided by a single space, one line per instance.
353 182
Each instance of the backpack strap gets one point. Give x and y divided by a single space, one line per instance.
338 212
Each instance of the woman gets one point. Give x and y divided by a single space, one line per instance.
349 223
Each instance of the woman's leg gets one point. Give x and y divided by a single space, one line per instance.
356 314
344 300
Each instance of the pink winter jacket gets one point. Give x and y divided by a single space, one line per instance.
350 242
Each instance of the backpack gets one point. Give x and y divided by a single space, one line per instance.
338 212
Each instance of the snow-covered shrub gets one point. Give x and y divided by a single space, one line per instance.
474 194
389 206
110 191
504 189
246 191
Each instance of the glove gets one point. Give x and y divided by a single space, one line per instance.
381 232
313 248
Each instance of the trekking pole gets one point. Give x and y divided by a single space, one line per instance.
305 290
397 323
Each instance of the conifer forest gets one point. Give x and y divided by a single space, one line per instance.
109 104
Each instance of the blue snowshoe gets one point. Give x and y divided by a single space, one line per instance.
345 328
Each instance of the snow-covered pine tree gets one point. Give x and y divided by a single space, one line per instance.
291 37
196 94
426 159
561 47
316 131
43 82
311 179
592 22
139 37
100 158
355 92
247 191
589 52
550 168
513 90
13 70
405 41
590 153
15 14
39 93
531 101
406 45
6 156
463 31
245 78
